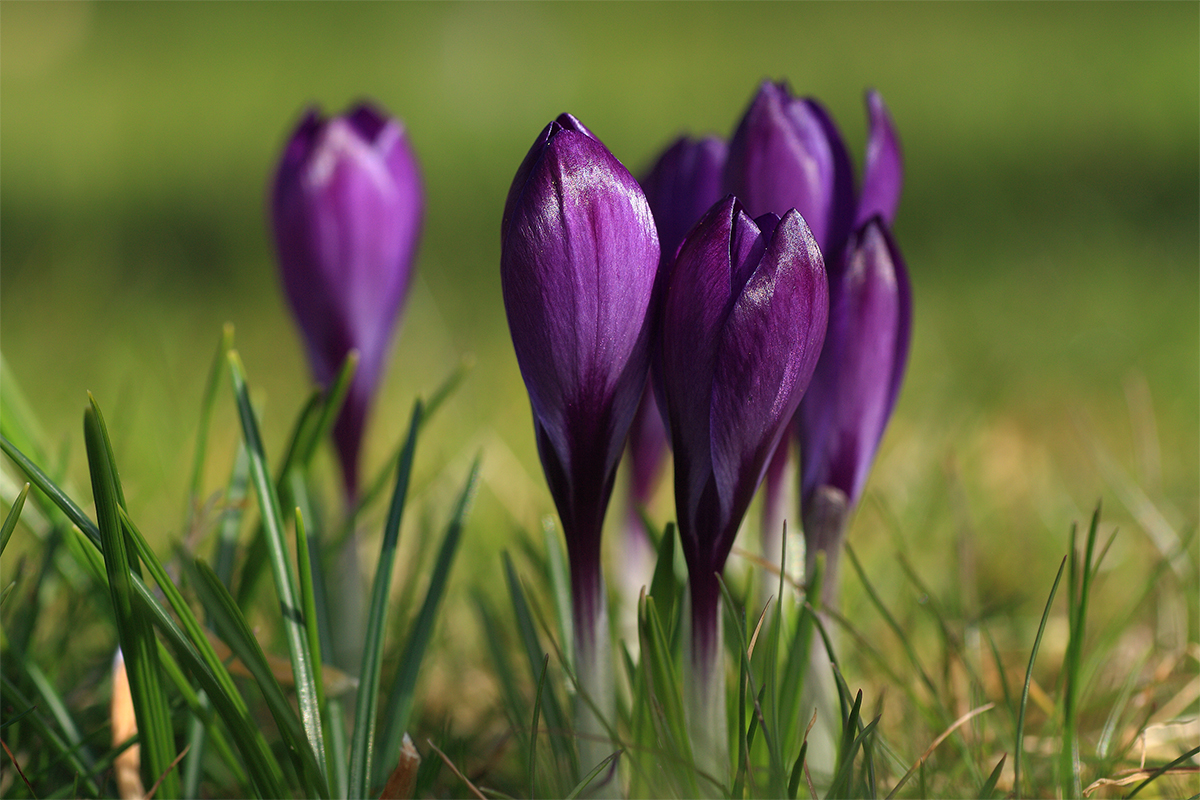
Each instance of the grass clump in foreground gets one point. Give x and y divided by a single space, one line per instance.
915 700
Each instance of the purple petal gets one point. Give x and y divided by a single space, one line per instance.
854 388
786 153
770 345
883 169
578 265
346 211
684 183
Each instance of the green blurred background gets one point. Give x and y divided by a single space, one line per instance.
1049 221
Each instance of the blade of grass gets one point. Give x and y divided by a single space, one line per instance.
231 626
1037 642
308 603
989 786
958 723
362 741
15 698
14 514
208 401
559 731
155 724
1161 770
1070 768
533 728
273 528
591 776
331 405
400 699
560 585
263 767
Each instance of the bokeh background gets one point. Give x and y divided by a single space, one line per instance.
1049 220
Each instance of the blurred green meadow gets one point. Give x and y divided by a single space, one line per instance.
1050 221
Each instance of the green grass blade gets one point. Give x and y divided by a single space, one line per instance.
231 516
1037 642
231 626
308 602
15 698
14 514
401 697
208 402
989 786
1190 754
262 767
560 585
559 729
331 404
1070 768
273 529
665 586
533 728
362 742
155 724
591 776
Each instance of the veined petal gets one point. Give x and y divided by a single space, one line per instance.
854 389
769 348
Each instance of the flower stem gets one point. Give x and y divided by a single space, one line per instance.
593 659
704 679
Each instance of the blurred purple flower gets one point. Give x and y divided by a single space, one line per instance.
578 261
743 321
346 209
787 153
854 389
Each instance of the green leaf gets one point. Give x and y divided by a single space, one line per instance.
989 786
14 514
400 698
1037 642
533 728
231 626
207 404
155 724
362 742
591 776
273 529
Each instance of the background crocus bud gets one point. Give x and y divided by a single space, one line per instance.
578 261
346 210
743 321
854 388
787 153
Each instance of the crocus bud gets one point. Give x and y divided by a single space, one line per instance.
578 259
682 185
346 210
743 321
787 153
854 388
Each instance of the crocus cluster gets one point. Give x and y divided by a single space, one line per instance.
346 210
732 307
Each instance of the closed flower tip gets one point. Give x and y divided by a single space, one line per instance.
346 211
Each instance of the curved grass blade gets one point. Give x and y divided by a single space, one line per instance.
400 698
231 626
263 769
153 714
559 730
989 787
1037 642
362 742
14 514
273 529
533 729
14 697
591 776
207 404
1161 770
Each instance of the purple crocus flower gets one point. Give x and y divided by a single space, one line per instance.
786 153
579 255
743 321
346 209
854 389
682 185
